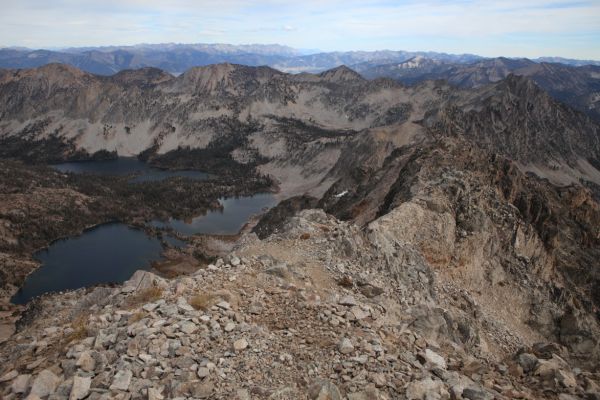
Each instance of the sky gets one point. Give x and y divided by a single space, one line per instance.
525 28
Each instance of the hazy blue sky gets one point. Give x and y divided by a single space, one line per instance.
528 28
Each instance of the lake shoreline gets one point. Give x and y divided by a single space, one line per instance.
228 216
47 206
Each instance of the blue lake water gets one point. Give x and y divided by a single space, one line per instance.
104 254
127 166
111 253
229 220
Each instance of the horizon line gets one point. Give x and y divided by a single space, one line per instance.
301 52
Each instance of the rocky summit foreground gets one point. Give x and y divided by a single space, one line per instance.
320 310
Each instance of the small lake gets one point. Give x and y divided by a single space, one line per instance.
127 166
104 254
228 221
111 253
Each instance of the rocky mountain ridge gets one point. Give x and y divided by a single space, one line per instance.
483 224
254 112
294 316
576 86
260 113
490 117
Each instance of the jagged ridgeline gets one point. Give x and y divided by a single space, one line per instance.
576 86
258 113
462 230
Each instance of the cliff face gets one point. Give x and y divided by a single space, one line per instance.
526 250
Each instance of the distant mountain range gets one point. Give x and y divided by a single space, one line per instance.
573 82
177 58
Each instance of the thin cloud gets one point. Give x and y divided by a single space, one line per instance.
514 28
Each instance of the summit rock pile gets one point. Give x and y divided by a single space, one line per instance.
296 315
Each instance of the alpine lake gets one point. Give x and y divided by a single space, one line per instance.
112 252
